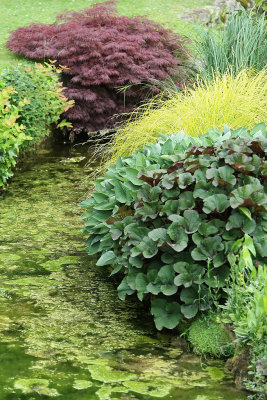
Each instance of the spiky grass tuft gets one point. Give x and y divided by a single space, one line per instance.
242 44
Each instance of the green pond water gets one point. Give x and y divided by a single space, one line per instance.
63 331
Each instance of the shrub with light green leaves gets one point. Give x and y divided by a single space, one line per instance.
167 216
31 100
11 133
40 87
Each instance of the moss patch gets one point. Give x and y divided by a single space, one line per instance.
208 338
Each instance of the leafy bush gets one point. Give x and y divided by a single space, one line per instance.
31 100
208 338
45 101
168 215
239 101
246 310
11 133
102 52
242 44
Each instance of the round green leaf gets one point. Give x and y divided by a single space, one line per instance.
189 311
216 202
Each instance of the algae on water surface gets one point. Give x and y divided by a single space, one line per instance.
63 331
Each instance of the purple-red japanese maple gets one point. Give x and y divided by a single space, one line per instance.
103 51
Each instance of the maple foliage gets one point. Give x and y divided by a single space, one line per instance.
103 51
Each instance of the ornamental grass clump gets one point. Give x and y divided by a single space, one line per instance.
103 51
167 216
242 44
237 101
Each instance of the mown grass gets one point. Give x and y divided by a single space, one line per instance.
16 13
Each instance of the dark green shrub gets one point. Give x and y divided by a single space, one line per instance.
167 217
45 103
208 338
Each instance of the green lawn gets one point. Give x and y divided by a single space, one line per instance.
15 13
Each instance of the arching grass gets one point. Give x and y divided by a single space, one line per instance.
236 101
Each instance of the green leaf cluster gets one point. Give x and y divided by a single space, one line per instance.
31 100
167 217
11 133
246 305
39 88
246 310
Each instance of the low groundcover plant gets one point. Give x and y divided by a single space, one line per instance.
167 216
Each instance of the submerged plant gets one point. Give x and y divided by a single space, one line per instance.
237 101
167 217
103 51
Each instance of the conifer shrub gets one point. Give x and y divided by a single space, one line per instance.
237 101
103 51
167 216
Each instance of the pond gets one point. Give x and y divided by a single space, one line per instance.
63 331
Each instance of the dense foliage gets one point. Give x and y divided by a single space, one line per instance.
31 100
242 44
11 133
240 100
102 52
45 101
168 216
246 310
